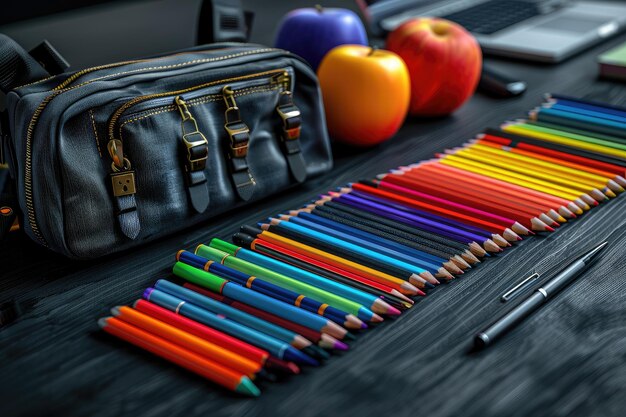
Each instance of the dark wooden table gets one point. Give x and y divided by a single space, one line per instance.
567 359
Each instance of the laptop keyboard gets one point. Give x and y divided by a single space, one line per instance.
492 16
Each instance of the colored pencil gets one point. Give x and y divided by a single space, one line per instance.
502 219
416 275
389 294
369 191
582 200
564 151
187 340
497 186
325 213
376 240
554 167
582 163
264 287
445 219
239 293
233 314
502 201
276 347
219 338
402 286
376 304
420 222
499 203
615 126
565 138
321 339
585 103
573 188
277 278
207 368
532 173
591 111
393 227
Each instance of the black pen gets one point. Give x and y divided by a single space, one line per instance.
533 302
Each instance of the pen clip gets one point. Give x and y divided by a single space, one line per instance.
519 287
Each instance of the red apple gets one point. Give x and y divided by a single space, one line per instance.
444 62
366 93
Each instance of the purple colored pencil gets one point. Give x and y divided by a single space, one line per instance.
460 225
411 219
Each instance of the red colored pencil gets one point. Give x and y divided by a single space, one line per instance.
336 269
613 168
514 188
423 191
222 339
619 179
431 208
522 211
499 198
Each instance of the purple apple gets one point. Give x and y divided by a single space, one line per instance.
312 32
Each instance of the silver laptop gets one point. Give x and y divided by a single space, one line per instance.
538 30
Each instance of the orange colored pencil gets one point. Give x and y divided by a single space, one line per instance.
189 341
513 206
496 193
524 217
226 377
500 184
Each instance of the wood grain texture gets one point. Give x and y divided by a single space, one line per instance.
567 359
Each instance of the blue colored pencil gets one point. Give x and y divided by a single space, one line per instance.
581 121
414 274
372 242
275 347
233 314
362 238
272 290
263 302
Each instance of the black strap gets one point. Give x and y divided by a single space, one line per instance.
290 136
127 215
197 185
239 138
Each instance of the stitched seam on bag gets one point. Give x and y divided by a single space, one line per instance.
195 61
162 67
95 131
35 82
192 103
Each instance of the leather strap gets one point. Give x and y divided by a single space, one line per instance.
127 215
239 138
197 184
290 135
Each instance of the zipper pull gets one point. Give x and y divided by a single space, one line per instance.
238 131
122 177
292 121
195 142
124 189
239 138
197 148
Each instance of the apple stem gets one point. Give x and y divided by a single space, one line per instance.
318 7
372 50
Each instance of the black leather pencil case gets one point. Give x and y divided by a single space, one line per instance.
107 158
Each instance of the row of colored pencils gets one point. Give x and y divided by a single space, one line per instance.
295 287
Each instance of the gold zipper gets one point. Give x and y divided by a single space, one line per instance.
115 145
28 191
